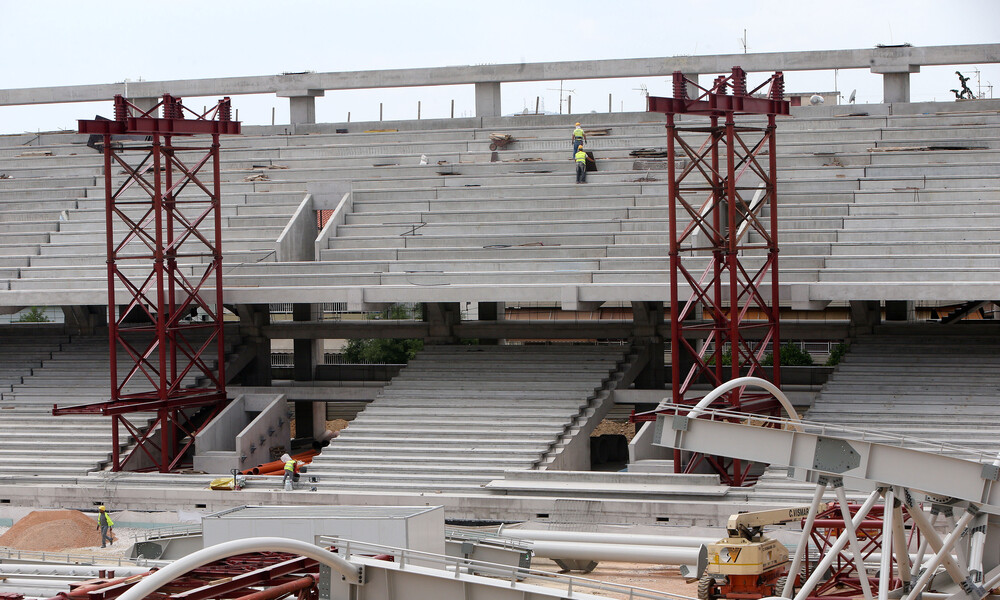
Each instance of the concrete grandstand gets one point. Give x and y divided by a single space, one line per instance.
888 233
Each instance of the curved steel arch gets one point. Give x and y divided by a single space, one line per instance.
745 382
150 584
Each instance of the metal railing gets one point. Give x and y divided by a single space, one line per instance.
509 543
66 558
456 566
158 533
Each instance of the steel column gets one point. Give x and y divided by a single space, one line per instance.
170 371
727 298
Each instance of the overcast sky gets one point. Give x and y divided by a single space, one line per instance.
54 43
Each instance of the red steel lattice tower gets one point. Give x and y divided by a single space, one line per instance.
164 261
723 244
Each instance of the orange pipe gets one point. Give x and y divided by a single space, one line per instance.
278 465
281 590
82 592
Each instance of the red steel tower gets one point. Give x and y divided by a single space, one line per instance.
164 260
723 243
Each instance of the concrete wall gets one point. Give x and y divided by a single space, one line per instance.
296 242
233 440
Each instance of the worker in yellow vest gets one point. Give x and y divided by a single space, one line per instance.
579 137
105 525
291 467
581 165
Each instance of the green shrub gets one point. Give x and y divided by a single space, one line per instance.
382 351
837 354
791 355
385 351
35 315
727 358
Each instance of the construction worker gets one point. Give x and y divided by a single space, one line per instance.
291 466
581 165
579 137
105 524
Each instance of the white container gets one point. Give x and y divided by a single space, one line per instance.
413 527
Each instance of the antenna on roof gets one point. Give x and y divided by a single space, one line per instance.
854 94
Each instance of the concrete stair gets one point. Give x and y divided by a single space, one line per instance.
865 186
457 417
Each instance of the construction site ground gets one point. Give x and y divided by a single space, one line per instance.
660 578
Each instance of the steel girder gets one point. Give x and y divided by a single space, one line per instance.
174 218
722 206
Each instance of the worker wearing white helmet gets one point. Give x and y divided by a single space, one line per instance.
291 471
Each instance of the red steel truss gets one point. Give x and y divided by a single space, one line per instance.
723 244
844 579
164 248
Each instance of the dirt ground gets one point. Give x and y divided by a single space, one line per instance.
659 578
335 425
608 426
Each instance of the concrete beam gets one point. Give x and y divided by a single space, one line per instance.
510 329
817 60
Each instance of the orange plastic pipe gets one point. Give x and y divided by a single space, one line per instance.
278 465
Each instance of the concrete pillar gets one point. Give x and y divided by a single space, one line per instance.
319 419
647 317
899 310
441 318
145 104
895 81
693 90
306 353
865 316
301 105
895 87
488 99
490 311
253 319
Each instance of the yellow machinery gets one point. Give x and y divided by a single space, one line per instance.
748 564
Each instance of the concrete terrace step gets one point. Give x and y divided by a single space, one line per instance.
474 432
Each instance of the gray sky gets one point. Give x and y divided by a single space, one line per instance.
52 43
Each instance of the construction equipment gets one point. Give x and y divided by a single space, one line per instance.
499 141
747 564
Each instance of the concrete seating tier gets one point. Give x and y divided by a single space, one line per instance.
896 166
458 416
33 441
45 368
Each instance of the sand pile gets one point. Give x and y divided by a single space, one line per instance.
52 530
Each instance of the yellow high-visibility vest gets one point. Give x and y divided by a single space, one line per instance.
581 156
578 133
290 465
107 520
